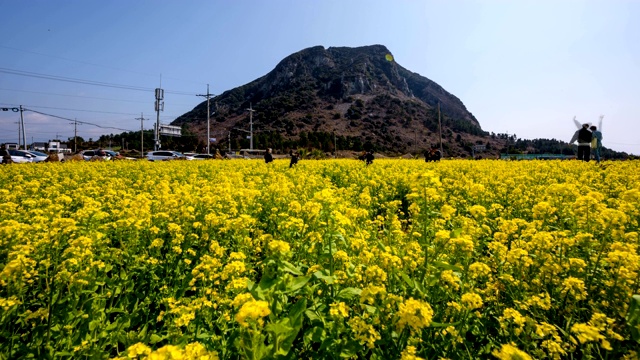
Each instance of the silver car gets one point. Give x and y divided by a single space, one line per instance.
20 156
38 156
99 153
161 155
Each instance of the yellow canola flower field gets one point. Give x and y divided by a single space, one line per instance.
401 259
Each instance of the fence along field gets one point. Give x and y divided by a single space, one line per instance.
399 259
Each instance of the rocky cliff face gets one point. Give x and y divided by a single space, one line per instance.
354 92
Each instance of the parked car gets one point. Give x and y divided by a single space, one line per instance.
20 156
38 156
166 155
112 153
203 156
90 154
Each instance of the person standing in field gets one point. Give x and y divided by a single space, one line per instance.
294 158
267 156
584 137
368 157
432 155
596 142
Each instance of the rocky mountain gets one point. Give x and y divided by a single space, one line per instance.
350 97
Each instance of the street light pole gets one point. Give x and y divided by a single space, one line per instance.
159 107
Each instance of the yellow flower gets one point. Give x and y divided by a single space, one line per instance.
138 349
471 301
510 352
363 332
254 311
447 211
478 269
416 314
279 247
409 353
339 310
574 287
512 316
450 279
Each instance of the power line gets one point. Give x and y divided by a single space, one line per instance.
91 111
98 65
80 122
82 81
69 95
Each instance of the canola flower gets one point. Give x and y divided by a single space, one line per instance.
402 259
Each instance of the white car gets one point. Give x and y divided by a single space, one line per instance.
203 156
38 156
20 156
161 155
90 154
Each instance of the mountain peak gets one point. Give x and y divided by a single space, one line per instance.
357 91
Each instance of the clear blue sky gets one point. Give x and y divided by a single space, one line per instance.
522 67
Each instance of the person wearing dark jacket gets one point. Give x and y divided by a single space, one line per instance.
267 156
294 158
584 137
432 155
368 157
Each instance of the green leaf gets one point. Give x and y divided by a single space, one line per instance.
407 279
326 278
93 324
154 339
317 313
143 332
315 334
633 317
289 267
445 266
296 311
312 315
279 328
440 325
297 283
371 309
348 293
350 349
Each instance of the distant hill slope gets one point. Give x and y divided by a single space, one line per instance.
360 94
353 97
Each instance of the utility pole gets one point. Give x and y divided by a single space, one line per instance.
335 146
208 96
141 118
24 137
229 142
75 135
19 135
251 111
